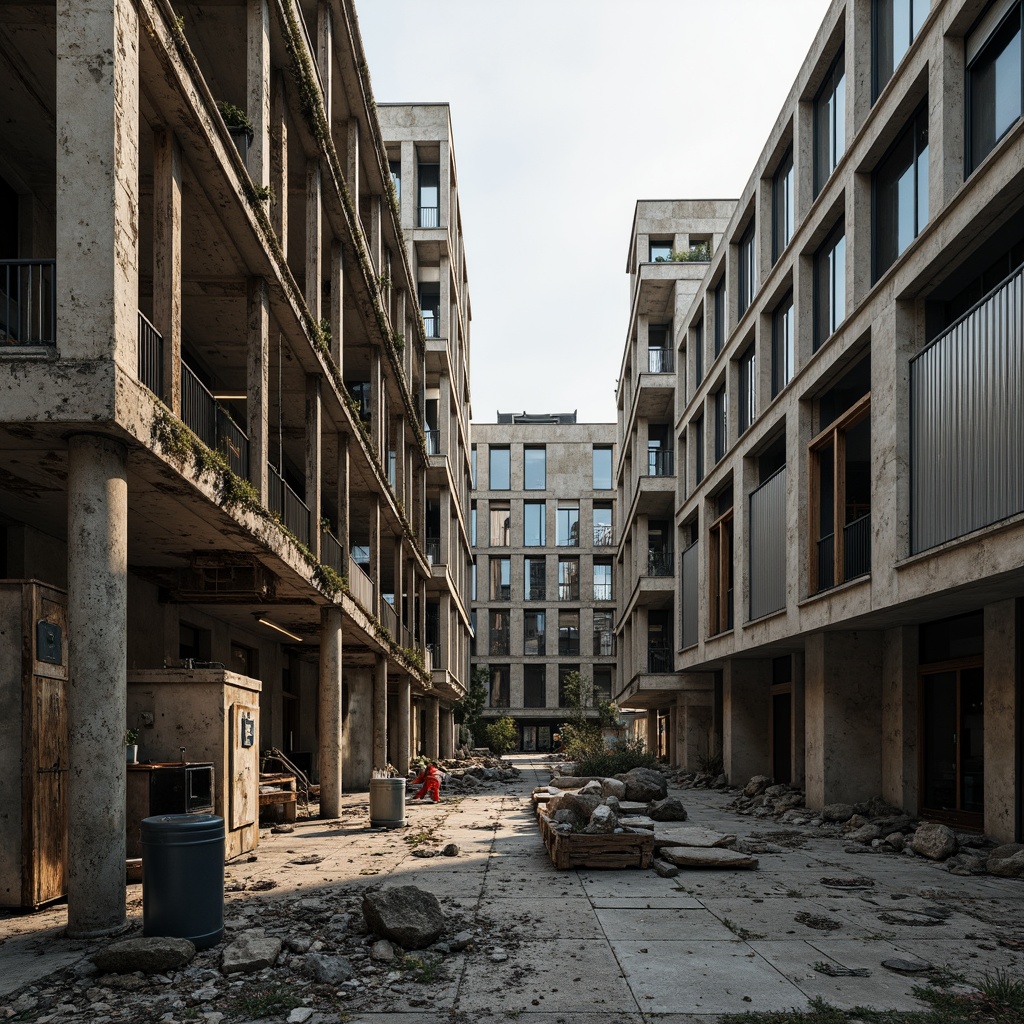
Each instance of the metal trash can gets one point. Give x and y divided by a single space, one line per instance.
183 877
387 803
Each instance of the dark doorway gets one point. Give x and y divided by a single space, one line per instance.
782 737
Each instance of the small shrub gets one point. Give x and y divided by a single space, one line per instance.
502 735
623 757
710 764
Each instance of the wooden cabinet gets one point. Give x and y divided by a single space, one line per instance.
33 743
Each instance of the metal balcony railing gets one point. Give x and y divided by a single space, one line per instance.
604 644
603 535
210 422
331 551
359 585
28 302
568 591
433 441
569 646
431 324
430 216
389 619
857 548
432 549
660 563
287 504
602 591
151 356
659 658
827 562
660 360
659 462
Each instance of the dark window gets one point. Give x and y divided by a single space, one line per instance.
395 169
472 524
952 639
564 671
430 192
748 270
830 123
567 521
534 469
499 470
501 579
721 299
748 388
604 634
569 633
430 308
533 633
698 445
900 194
534 687
472 462
534 524
698 353
783 345
499 686
660 250
602 579
568 579
499 634
501 524
783 205
602 468
829 286
720 602
534 579
721 400
895 26
602 685
194 643
994 84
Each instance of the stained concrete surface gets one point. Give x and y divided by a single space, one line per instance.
604 947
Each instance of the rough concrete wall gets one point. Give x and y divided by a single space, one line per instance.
147 645
1002 713
899 718
357 755
843 699
10 745
746 713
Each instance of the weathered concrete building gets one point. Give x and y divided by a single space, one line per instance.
543 530
850 425
214 377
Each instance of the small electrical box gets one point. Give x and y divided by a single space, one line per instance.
49 647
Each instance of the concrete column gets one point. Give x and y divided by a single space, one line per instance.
97 688
407 202
403 726
258 383
799 719
445 327
843 700
344 526
337 314
746 714
314 230
258 74
357 751
431 739
444 181
167 260
313 459
1002 718
380 711
444 417
446 526
330 712
651 729
325 52
376 404
279 160
899 717
695 726
446 741
376 239
352 163
97 128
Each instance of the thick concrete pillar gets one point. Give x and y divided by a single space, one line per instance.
357 751
258 383
377 422
446 741
899 717
313 459
352 163
380 711
695 727
258 90
330 712
314 229
799 720
843 701
403 724
325 52
167 260
337 315
376 251
1002 720
651 739
97 132
430 740
97 690
746 714
279 160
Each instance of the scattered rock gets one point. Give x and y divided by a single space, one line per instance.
613 788
837 812
300 1015
328 970
637 821
895 841
613 803
865 834
966 864
251 951
603 820
450 850
1007 861
579 805
149 954
383 951
908 966
644 784
664 868
934 841
593 787
461 941
424 851
757 785
405 914
669 809
690 835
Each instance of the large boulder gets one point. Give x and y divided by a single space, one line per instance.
405 914
934 841
669 809
644 784
614 787
603 820
1007 861
757 785
251 951
579 805
837 812
149 954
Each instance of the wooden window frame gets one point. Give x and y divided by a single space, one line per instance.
720 546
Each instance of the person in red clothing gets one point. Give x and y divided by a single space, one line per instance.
430 781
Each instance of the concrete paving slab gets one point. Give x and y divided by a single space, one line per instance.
677 923
674 901
703 977
778 918
558 917
21 955
629 882
971 958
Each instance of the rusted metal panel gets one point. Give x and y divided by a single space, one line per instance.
691 596
767 550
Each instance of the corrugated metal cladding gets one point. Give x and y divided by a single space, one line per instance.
690 595
967 422
768 546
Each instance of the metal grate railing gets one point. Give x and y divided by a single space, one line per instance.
288 505
433 441
331 552
151 356
659 658
660 563
430 216
359 585
857 548
210 422
659 462
660 360
28 302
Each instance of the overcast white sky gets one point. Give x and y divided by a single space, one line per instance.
565 113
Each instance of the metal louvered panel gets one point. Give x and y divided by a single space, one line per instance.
768 546
690 600
967 421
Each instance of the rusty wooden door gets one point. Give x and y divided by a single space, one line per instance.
48 811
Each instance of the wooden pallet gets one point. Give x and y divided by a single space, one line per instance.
578 850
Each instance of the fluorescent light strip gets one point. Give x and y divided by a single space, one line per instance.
280 629
232 397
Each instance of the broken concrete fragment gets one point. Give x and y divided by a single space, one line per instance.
701 857
638 821
149 954
1007 861
664 868
644 784
603 820
757 785
410 916
613 788
669 809
251 951
837 812
328 970
934 841
690 835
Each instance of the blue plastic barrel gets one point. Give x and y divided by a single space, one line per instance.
183 877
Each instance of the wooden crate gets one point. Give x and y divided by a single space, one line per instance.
578 850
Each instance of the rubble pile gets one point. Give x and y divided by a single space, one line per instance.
474 774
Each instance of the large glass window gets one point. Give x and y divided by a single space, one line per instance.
660 250
783 205
602 468
499 472
430 308
499 695
534 524
604 634
603 536
829 286
472 581
748 388
501 579
720 604
783 345
748 270
395 170
472 464
721 404
534 579
698 353
602 684
830 123
568 523
721 301
472 524
900 195
602 579
698 447
501 529
430 191
534 686
896 24
568 579
994 83
569 633
534 469
499 634
533 633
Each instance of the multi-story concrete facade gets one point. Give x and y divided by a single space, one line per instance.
670 246
214 376
421 155
543 528
850 421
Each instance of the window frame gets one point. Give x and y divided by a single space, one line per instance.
528 507
566 640
721 618
528 564
492 450
913 31
502 675
570 589
602 448
829 91
538 632
606 539
534 449
540 671
567 505
784 196
746 414
720 405
721 304
603 590
500 569
746 278
499 638
826 252
786 311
